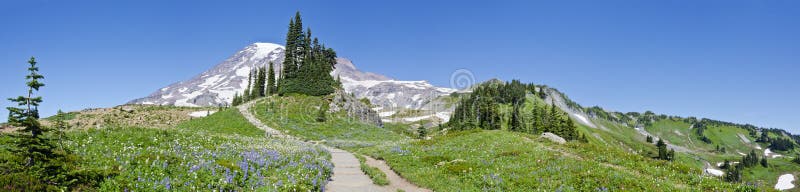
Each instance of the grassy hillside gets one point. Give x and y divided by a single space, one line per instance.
496 160
219 152
296 115
735 141
508 161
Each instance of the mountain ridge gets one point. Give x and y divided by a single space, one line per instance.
218 85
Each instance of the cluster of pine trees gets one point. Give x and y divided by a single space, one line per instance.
483 109
39 161
663 153
734 173
307 64
781 144
306 70
260 83
778 144
700 129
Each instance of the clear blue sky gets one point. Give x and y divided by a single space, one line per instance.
729 60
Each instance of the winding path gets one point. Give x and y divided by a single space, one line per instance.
347 174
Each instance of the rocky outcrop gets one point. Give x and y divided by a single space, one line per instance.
554 138
354 108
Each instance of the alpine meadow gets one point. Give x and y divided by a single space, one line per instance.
288 112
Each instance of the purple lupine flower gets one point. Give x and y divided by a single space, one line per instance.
194 168
228 175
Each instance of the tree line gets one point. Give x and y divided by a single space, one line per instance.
734 173
260 83
494 105
307 65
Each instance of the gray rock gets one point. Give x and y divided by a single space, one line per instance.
354 108
553 137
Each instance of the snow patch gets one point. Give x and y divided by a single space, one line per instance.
263 50
444 116
244 72
167 96
201 113
386 114
743 138
715 172
185 101
210 81
785 182
416 97
769 153
582 119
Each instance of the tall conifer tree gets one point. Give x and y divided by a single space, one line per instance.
271 88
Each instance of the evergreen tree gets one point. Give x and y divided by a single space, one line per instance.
726 165
671 155
537 119
271 87
32 145
307 64
662 150
260 85
764 162
764 138
60 125
516 123
40 165
421 131
236 100
247 90
649 139
733 174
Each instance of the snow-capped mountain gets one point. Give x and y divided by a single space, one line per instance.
385 93
218 85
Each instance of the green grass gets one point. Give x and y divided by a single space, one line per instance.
727 136
224 122
402 129
616 158
296 115
769 175
508 161
675 132
219 152
377 176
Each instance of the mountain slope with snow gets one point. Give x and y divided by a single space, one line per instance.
218 85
